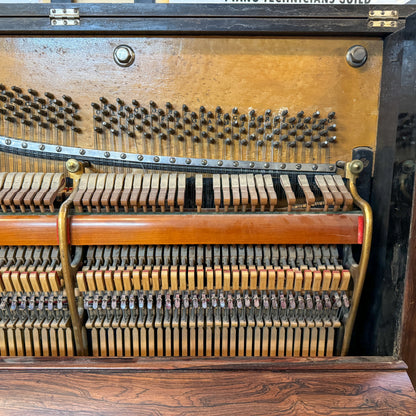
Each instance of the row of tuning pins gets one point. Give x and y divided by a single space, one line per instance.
213 134
47 119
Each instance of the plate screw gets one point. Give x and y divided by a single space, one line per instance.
220 163
140 157
356 56
82 151
156 158
123 55
172 160
106 154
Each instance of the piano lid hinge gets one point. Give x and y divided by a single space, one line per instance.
64 17
383 18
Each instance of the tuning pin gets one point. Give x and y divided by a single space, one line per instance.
69 122
161 112
42 112
27 122
308 144
9 107
195 139
51 120
3 98
26 110
60 115
60 127
284 137
323 133
152 104
17 101
300 138
252 124
243 130
58 103
8 94
227 116
324 144
49 95
32 92
332 127
35 117
185 108
292 144
253 137
67 98
139 128
98 119
316 138
95 106
292 132
17 114
332 139
144 110
331 115
122 114
316 114
260 119
260 130
235 110
25 97
18 90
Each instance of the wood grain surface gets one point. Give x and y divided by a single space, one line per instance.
258 73
171 388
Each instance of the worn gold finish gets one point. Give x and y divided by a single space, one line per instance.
358 273
75 170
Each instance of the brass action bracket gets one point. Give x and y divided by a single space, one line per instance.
352 171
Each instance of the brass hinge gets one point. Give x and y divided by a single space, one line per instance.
64 17
383 18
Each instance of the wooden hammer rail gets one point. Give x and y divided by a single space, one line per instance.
173 229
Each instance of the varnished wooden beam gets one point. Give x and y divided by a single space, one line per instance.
215 229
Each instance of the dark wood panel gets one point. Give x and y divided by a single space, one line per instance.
195 25
201 10
203 363
408 336
204 392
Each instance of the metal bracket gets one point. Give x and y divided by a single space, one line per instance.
64 17
383 18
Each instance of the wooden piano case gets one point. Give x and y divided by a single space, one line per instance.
212 91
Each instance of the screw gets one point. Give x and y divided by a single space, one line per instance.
156 158
251 164
298 166
172 160
106 154
58 149
42 147
72 165
82 151
315 167
331 167
140 157
220 163
123 55
235 164
24 145
8 142
188 161
267 165
283 166
356 56
204 162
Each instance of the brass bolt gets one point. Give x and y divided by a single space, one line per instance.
72 165
356 167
